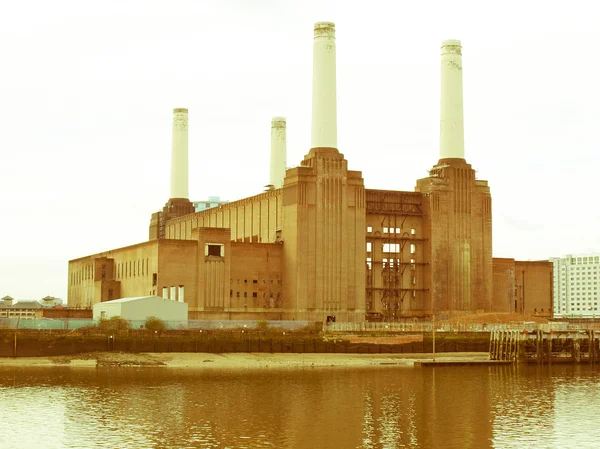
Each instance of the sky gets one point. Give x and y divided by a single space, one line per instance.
87 91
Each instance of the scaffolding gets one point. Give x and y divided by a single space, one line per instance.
387 286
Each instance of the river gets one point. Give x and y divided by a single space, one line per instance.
395 407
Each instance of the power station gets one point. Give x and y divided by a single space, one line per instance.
317 243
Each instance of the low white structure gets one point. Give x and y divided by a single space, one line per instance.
140 308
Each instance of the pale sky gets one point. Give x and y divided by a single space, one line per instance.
87 91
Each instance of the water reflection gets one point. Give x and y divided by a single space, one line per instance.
462 407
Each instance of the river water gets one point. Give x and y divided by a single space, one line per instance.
395 407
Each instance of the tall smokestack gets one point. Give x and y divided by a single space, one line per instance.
324 109
278 152
452 140
179 154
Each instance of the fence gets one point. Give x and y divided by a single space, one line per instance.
73 323
456 327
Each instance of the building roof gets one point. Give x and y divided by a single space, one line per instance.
137 298
26 305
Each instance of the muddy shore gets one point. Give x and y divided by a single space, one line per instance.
232 360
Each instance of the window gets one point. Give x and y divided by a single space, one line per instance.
369 262
413 248
245 294
385 230
180 296
154 278
391 247
173 293
165 293
254 295
413 231
214 249
369 229
369 247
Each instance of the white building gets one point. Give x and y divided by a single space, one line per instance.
212 201
140 308
576 285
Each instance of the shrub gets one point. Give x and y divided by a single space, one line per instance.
114 323
262 325
155 324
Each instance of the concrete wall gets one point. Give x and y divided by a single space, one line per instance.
177 268
124 271
133 271
212 271
254 219
503 296
458 222
324 238
256 284
534 287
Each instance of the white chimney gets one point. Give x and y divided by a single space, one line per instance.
179 154
278 152
452 141
324 109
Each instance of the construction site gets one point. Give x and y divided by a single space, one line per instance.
317 245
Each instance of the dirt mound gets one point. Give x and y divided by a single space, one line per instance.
496 318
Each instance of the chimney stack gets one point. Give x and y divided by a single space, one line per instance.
278 151
452 141
179 154
324 109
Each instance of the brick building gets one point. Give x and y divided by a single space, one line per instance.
319 243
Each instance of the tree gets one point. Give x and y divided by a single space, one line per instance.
155 324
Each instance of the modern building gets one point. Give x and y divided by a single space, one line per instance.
139 309
212 201
318 243
576 281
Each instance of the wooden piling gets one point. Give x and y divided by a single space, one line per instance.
590 346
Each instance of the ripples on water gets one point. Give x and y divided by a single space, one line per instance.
387 408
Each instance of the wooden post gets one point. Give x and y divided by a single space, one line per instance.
550 348
490 353
538 348
590 347
577 345
15 345
499 346
433 333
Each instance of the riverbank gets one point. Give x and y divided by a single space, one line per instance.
232 360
